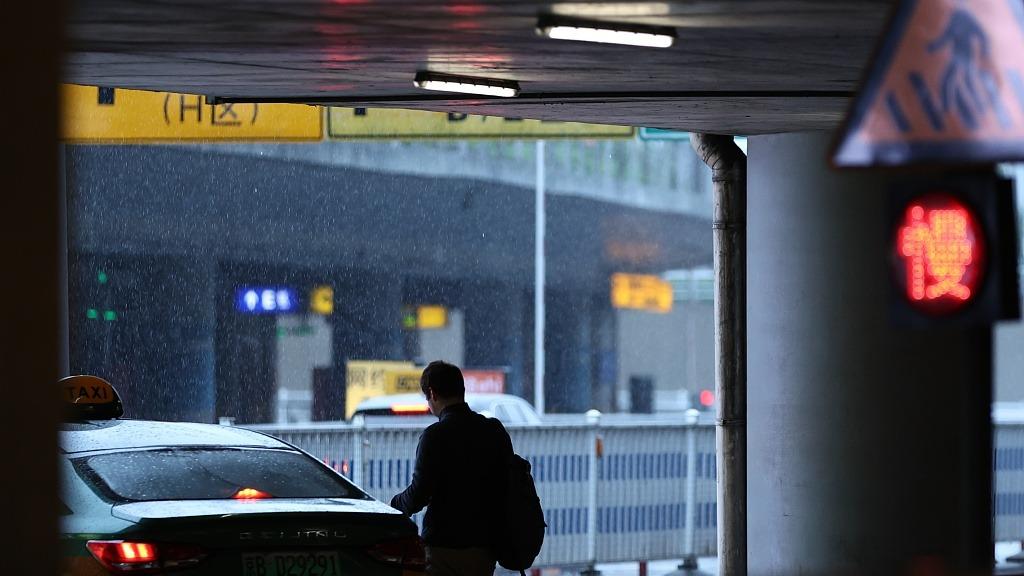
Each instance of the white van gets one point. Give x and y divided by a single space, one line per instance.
505 407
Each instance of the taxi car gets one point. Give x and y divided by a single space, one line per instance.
145 497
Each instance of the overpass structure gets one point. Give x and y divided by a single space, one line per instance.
837 482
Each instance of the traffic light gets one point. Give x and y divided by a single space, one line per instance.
953 250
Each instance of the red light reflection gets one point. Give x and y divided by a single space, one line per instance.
707 398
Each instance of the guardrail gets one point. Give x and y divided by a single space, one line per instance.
1008 497
612 490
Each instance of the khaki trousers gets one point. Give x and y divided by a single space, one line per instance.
460 561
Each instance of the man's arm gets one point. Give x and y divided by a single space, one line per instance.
424 476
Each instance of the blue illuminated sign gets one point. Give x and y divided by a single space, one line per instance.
265 300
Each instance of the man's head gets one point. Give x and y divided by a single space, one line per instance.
443 385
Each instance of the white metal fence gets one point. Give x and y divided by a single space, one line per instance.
1008 497
611 491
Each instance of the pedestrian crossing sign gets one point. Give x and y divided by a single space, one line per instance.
946 86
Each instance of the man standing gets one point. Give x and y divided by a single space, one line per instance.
459 476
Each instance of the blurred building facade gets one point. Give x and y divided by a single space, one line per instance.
166 240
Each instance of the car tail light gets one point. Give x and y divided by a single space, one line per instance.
407 553
127 557
250 494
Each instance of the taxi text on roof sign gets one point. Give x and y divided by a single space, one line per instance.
107 115
355 123
946 87
89 397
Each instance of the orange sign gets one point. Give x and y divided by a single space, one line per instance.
947 86
641 292
484 381
85 389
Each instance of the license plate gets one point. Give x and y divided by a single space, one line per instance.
291 564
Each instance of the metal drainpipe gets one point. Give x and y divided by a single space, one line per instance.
729 174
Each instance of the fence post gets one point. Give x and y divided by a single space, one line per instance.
359 441
596 449
689 529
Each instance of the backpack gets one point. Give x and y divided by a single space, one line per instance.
521 531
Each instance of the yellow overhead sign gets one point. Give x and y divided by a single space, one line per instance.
641 292
431 317
321 300
109 115
350 123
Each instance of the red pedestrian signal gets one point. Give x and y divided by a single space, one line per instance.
953 251
942 250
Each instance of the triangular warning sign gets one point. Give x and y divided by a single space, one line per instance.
946 87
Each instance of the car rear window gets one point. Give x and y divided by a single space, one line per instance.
198 474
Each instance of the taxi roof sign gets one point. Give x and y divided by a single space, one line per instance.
89 398
946 86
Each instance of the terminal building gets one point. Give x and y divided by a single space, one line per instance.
168 242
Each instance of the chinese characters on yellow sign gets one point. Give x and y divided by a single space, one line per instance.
370 378
346 123
641 292
108 115
93 114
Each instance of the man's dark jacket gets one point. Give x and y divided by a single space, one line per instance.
459 476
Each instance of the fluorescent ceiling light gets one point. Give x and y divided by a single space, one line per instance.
607 32
466 85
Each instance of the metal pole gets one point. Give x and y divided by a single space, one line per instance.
358 444
689 529
596 450
539 282
729 175
62 265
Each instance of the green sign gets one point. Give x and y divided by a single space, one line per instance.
663 134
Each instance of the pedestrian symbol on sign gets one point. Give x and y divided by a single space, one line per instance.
946 87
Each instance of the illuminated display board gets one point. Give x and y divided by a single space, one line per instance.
952 250
641 292
265 300
427 317
321 300
942 249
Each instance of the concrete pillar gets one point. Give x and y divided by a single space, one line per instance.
569 352
191 315
32 345
869 446
494 329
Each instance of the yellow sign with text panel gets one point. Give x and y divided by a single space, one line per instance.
370 378
641 292
118 116
355 123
